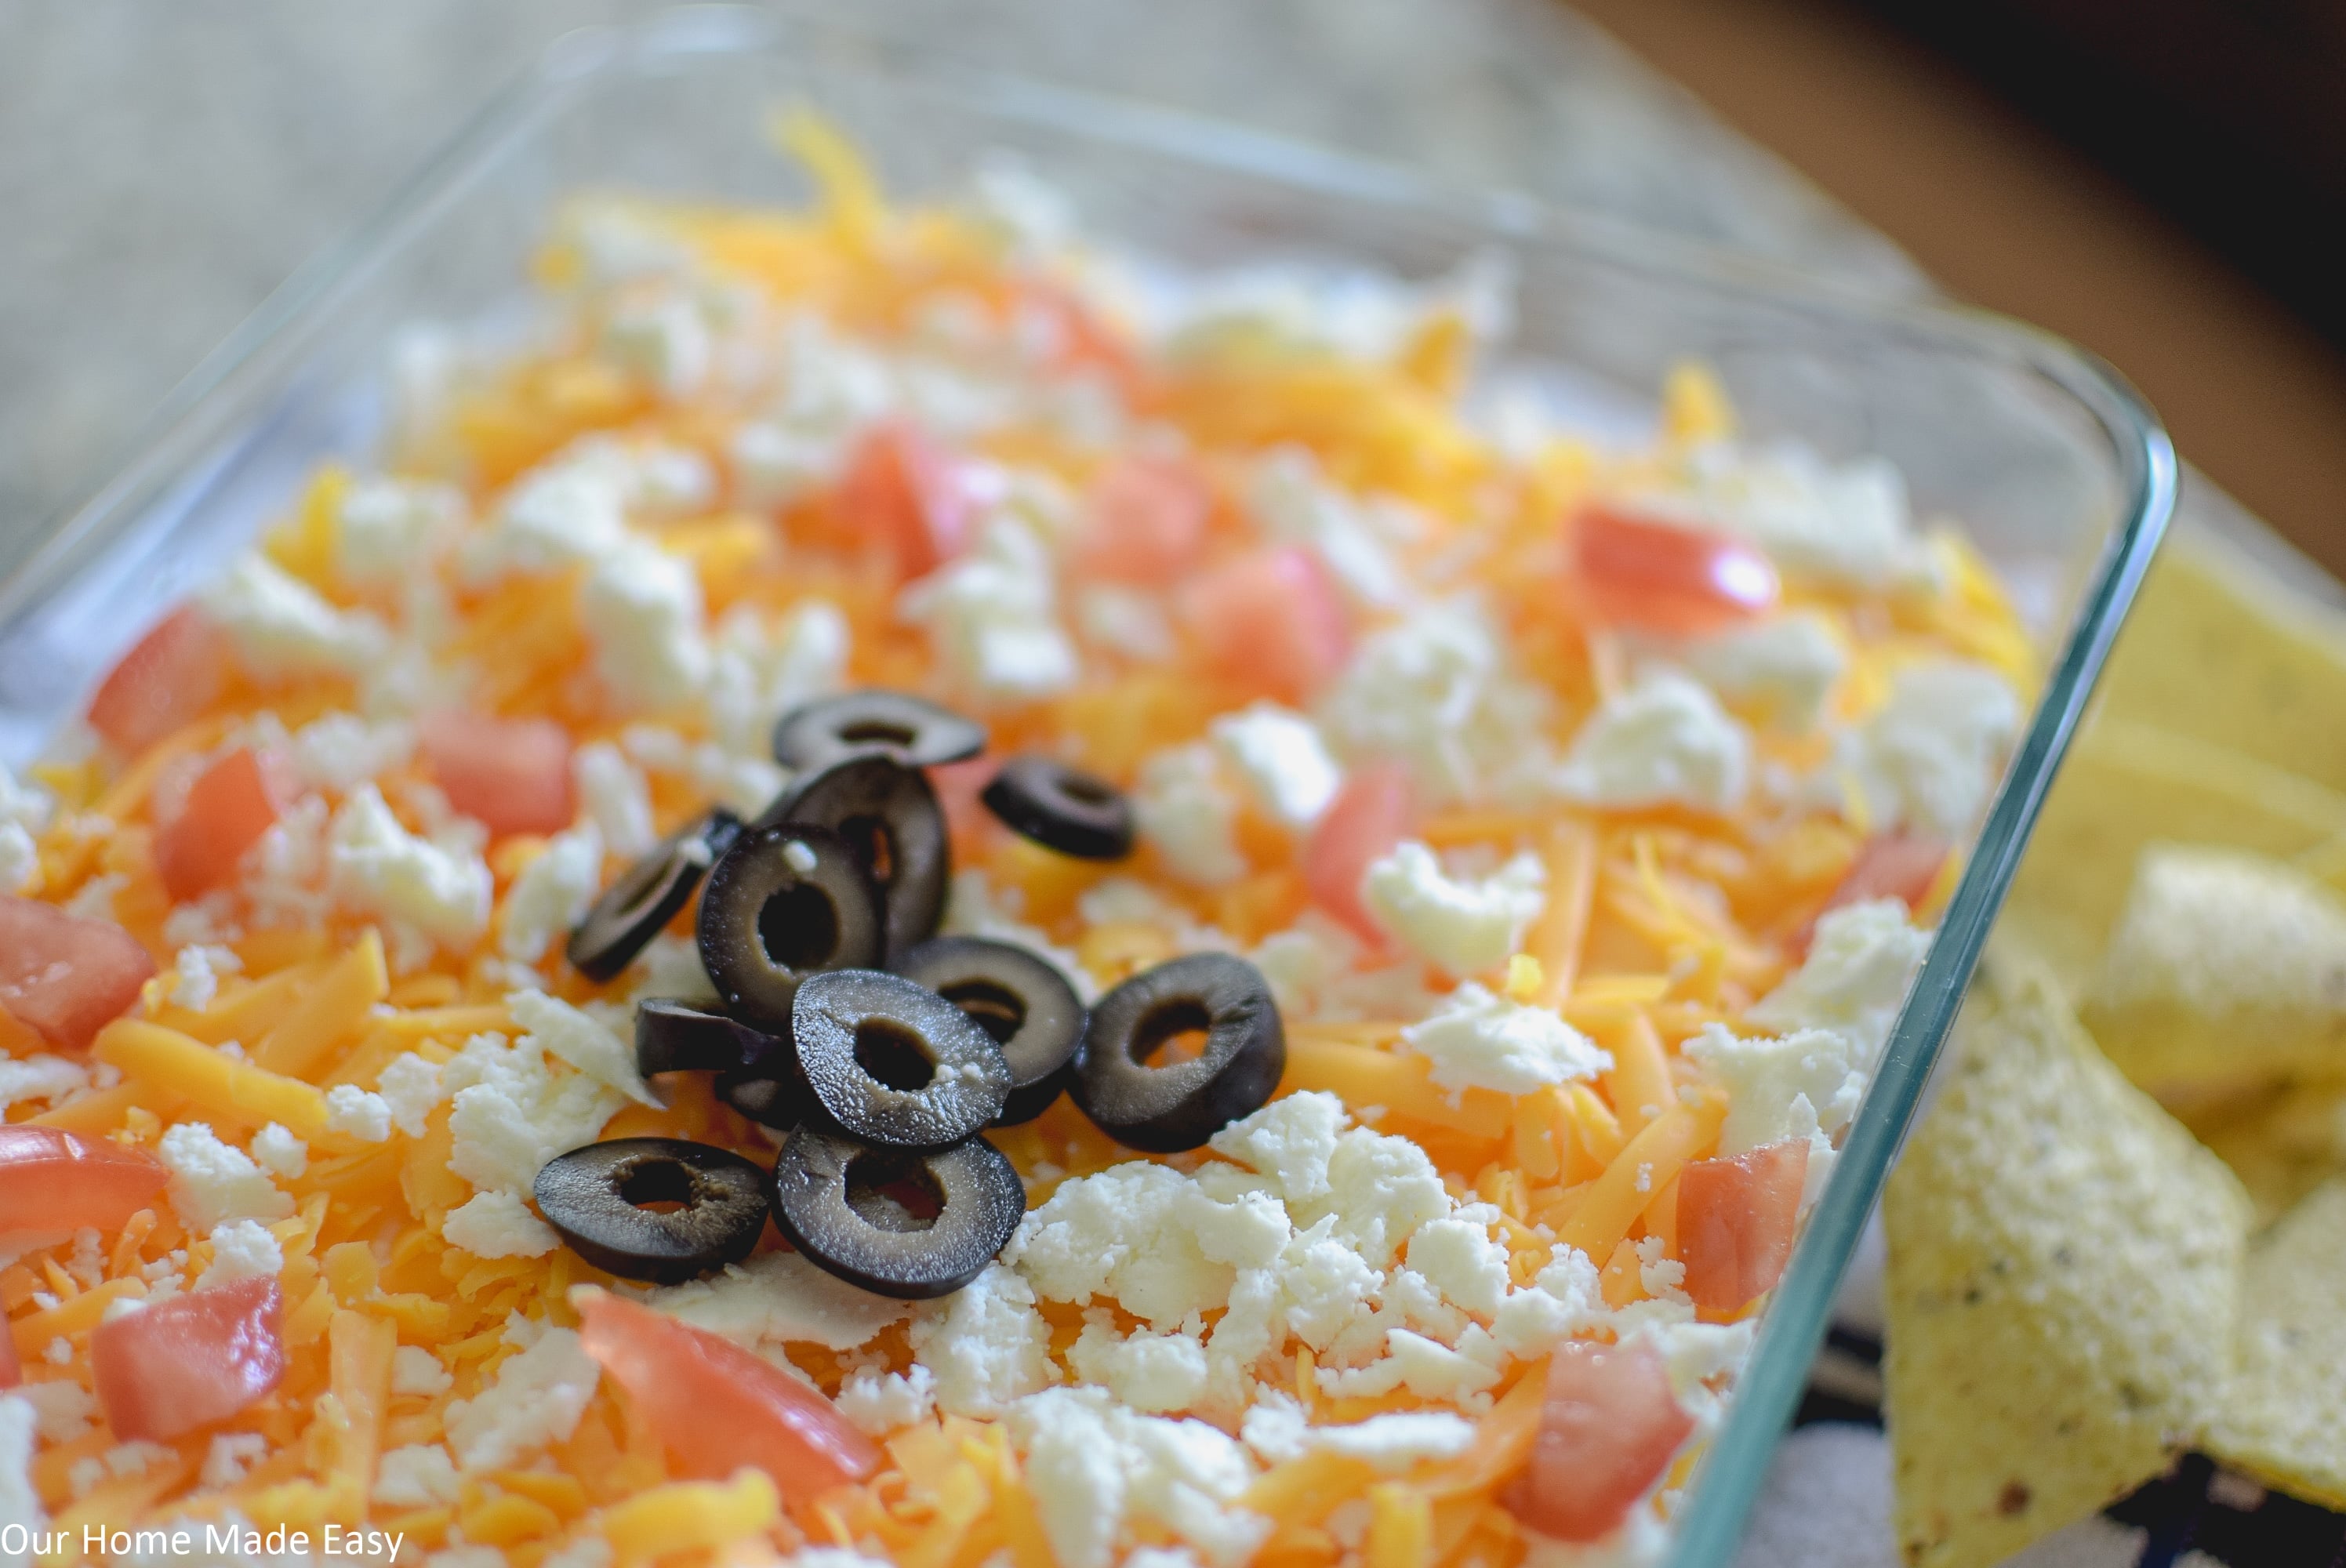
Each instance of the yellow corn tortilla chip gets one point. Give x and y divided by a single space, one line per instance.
2280 1417
2281 1144
2128 784
2063 1280
2219 649
2225 975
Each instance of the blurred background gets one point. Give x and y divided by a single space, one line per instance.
2150 177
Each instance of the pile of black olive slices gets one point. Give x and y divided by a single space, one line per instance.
877 1047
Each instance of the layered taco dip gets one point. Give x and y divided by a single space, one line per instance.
903 889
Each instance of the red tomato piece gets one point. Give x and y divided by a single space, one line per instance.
53 1180
958 785
171 677
904 490
1271 621
227 809
1369 816
513 775
1658 577
718 1407
1144 521
189 1361
12 1369
1607 1430
63 976
1737 1220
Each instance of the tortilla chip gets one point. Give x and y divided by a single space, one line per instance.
2062 1285
2219 649
2126 785
2281 1144
2280 1417
2226 974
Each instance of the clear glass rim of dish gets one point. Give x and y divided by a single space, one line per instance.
1708 1526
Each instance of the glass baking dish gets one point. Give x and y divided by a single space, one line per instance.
2056 470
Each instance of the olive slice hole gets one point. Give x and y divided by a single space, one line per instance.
879 732
872 844
893 1192
992 1007
892 1056
1090 791
658 1187
798 927
1173 1034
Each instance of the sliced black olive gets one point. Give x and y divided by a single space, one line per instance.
897 1223
783 903
1180 1103
893 1064
678 1037
1061 808
661 1209
908 729
647 894
890 818
1019 999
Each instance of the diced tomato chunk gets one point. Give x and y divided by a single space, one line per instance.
171 677
513 775
1899 865
12 1367
227 809
52 1180
1144 521
905 492
188 1362
958 785
65 975
1369 816
1270 622
716 1406
1608 1432
1737 1218
1654 576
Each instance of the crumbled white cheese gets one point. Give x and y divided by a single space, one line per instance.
241 1249
1381 1188
1148 1236
416 1371
1124 621
1664 741
1807 1082
985 1344
642 609
213 1182
283 629
1277 1431
498 1225
671 966
1466 926
781 1299
537 1399
388 529
553 892
1095 1465
661 339
747 784
20 1501
62 1407
195 974
1295 504
1292 1140
511 1114
420 1475
410 1085
882 1403
284 1154
1845 525
1459 1258
1785 668
20 859
357 1112
1478 1039
993 615
1436 693
1861 963
376 865
1931 754
1427 1368
1185 813
1147 1372
759 671
774 466
617 798
581 1039
230 1455
1281 759
41 1077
